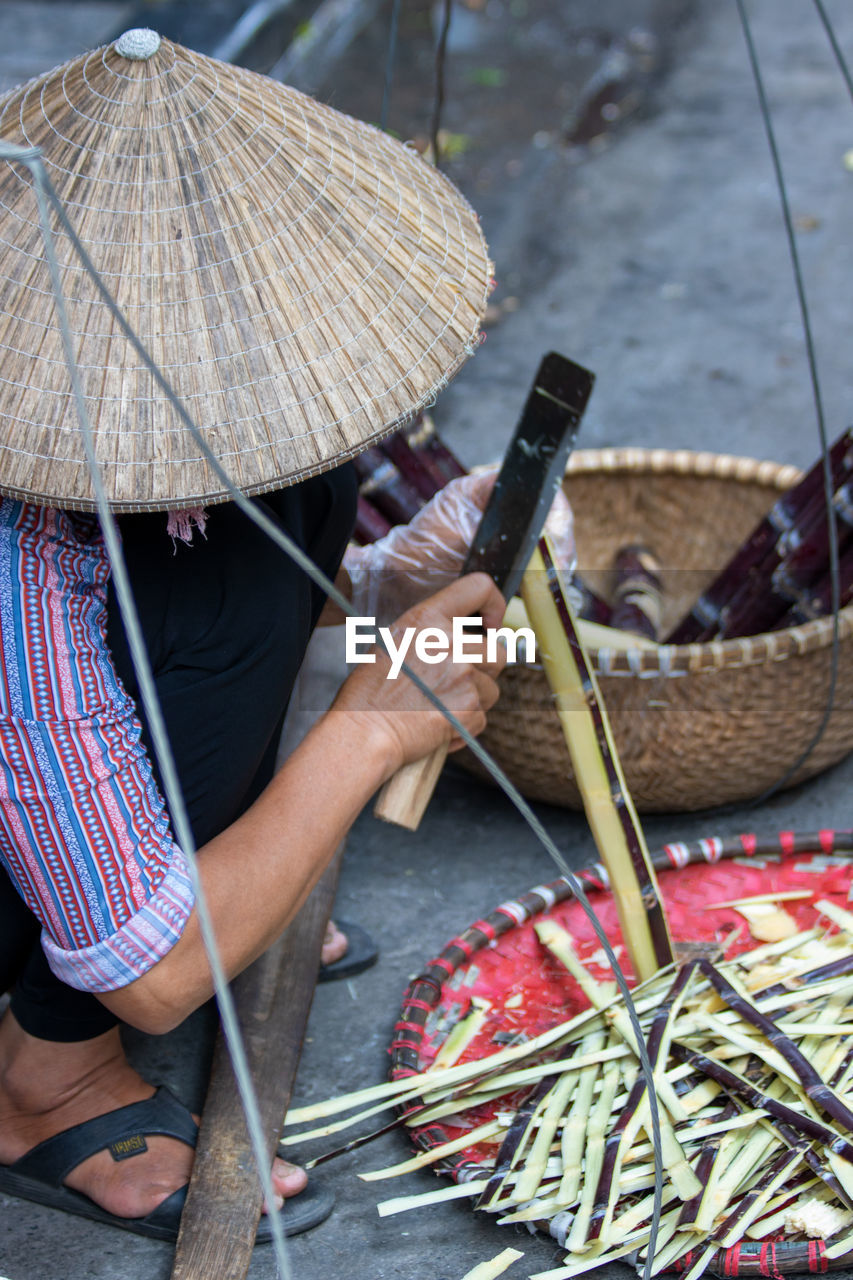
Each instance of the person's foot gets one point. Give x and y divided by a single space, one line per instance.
46 1087
334 944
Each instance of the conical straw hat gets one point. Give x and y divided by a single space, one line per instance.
305 282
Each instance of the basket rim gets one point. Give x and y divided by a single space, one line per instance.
712 655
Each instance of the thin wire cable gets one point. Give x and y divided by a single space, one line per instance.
440 61
282 540
832 532
32 160
390 60
836 47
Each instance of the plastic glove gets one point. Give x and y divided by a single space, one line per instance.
417 559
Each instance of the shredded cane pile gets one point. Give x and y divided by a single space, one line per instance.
753 1068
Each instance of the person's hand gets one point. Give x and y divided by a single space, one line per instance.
394 711
417 559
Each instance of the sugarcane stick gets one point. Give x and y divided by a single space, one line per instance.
789 511
495 1266
559 943
816 1089
816 601
552 1114
385 489
786 573
483 1133
607 803
463 1032
422 457
596 1130
636 604
512 1146
776 1209
454 1191
575 1124
370 524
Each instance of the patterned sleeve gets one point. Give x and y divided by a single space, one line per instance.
84 832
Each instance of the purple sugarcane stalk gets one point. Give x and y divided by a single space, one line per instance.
835 969
590 606
637 591
791 1157
703 621
423 457
370 524
838 1073
815 1164
734 1084
808 558
796 561
704 1168
635 1097
512 1141
385 488
817 601
413 465
814 1087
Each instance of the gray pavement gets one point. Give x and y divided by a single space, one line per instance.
656 257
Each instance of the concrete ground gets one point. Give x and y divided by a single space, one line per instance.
655 256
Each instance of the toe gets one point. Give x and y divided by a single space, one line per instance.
334 944
288 1179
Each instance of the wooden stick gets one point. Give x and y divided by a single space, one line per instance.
273 998
607 803
404 797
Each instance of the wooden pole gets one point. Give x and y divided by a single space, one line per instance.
273 998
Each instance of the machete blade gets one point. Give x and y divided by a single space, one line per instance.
531 472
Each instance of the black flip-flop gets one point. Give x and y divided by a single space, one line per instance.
361 953
38 1176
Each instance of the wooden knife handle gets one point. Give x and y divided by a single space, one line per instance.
404 798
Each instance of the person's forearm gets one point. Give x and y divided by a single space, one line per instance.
258 872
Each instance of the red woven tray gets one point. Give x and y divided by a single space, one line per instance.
500 959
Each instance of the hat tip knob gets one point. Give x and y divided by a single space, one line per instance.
138 44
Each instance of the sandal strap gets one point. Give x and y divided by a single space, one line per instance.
52 1160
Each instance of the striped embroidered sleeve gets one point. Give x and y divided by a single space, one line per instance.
84 832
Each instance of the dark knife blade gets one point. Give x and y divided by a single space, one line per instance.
531 472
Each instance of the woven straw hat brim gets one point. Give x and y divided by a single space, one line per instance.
305 282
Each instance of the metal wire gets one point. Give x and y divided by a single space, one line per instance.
172 787
440 62
390 59
45 196
836 47
832 532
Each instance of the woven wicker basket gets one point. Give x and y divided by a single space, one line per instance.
696 725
